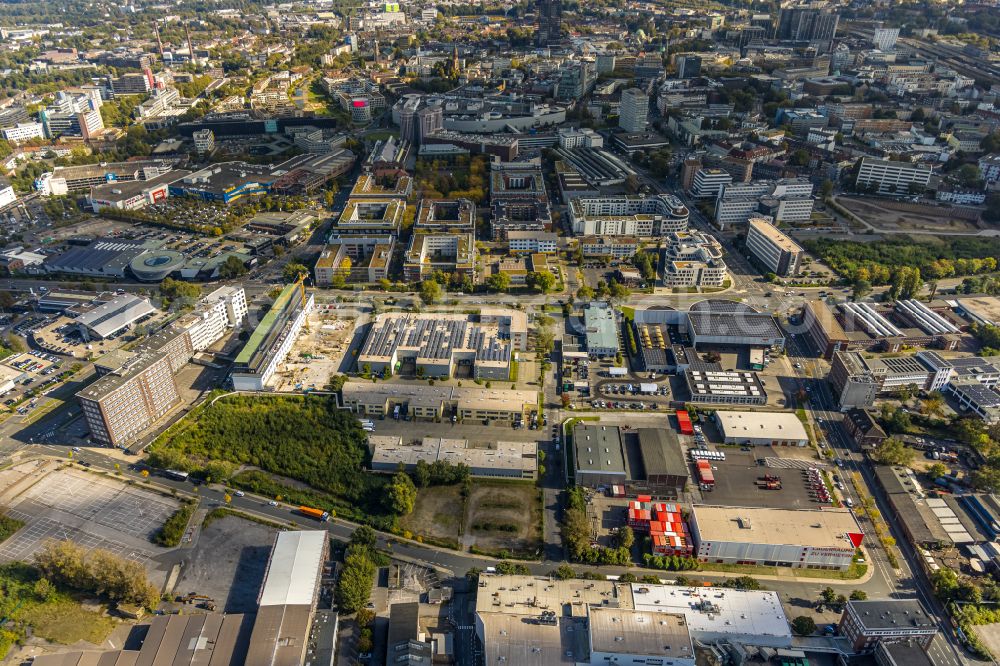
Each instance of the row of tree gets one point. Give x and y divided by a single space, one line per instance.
96 572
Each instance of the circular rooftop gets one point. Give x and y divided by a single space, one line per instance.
155 265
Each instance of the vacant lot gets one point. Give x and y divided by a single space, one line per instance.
904 216
498 515
439 514
504 516
228 564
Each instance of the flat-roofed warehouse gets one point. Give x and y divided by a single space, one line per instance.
430 402
797 538
761 428
722 322
644 460
516 460
288 599
724 387
114 316
437 345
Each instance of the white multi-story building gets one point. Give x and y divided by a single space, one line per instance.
584 137
634 109
204 141
224 308
7 194
24 132
786 200
778 252
885 38
545 242
73 114
272 339
989 168
693 259
628 215
708 183
891 177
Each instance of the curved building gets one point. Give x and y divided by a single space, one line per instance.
155 265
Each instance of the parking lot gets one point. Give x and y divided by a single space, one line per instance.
90 509
737 477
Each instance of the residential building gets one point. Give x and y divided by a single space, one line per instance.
884 39
354 258
531 242
584 137
447 252
693 259
864 429
779 253
132 83
888 177
807 24
629 215
616 247
865 624
634 109
989 168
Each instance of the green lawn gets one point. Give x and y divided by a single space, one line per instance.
856 571
62 620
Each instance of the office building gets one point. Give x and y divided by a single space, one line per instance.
272 339
132 83
520 242
786 200
806 24
204 141
634 109
776 251
761 428
354 258
584 137
576 79
223 309
693 259
23 132
867 623
628 215
549 30
796 538
440 345
122 404
888 177
688 66
884 39
707 183
73 115
446 252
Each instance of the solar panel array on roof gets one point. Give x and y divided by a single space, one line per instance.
436 338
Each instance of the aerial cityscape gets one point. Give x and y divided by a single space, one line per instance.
340 333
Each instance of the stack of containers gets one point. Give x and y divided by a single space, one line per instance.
667 529
706 479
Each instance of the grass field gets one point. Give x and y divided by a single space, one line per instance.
62 620
497 516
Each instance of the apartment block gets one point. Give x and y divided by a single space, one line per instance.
708 183
634 215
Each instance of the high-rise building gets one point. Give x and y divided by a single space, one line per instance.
885 38
204 141
806 24
778 252
73 114
763 21
634 108
549 22
688 66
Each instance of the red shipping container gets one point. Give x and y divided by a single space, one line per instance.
644 498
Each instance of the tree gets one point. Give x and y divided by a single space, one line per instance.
402 494
828 595
430 292
543 281
293 271
232 267
624 537
826 189
861 289
422 474
499 281
364 536
859 595
564 572
804 625
355 583
892 451
936 471
174 289
585 293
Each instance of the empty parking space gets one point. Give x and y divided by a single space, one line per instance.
107 502
30 539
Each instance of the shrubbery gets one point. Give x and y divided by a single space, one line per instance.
96 572
173 529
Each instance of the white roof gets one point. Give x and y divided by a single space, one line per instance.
294 570
116 314
717 611
761 425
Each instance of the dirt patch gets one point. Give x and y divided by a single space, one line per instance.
504 516
903 216
438 515
989 634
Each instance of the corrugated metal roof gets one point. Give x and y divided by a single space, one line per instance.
294 570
